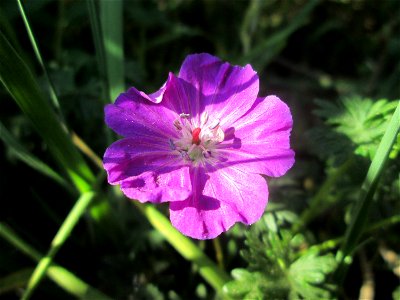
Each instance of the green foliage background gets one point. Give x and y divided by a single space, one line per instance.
331 227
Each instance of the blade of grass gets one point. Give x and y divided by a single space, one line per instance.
361 211
23 87
97 37
51 90
61 276
334 243
30 159
111 16
63 233
189 250
97 34
261 55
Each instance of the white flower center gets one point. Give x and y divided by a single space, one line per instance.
197 144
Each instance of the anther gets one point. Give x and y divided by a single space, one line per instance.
184 116
178 124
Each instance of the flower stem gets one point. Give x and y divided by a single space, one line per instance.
188 249
219 255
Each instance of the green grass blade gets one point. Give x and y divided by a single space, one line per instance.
52 92
61 236
361 211
30 159
189 250
97 33
97 36
23 87
261 55
111 16
61 276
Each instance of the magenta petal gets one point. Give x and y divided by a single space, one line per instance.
219 199
131 157
133 115
159 187
225 91
147 171
156 97
261 139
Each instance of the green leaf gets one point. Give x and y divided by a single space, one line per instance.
246 285
362 121
309 271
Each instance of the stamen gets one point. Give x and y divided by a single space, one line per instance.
204 118
214 124
206 153
184 116
178 124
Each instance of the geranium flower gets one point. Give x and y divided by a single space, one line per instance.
201 142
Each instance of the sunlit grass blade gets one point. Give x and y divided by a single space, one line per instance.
61 236
23 87
111 16
61 276
189 250
30 159
52 92
360 214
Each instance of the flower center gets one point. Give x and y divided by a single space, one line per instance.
197 143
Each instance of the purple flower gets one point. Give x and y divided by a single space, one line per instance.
200 143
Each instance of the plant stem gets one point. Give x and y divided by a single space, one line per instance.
189 250
63 233
61 276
